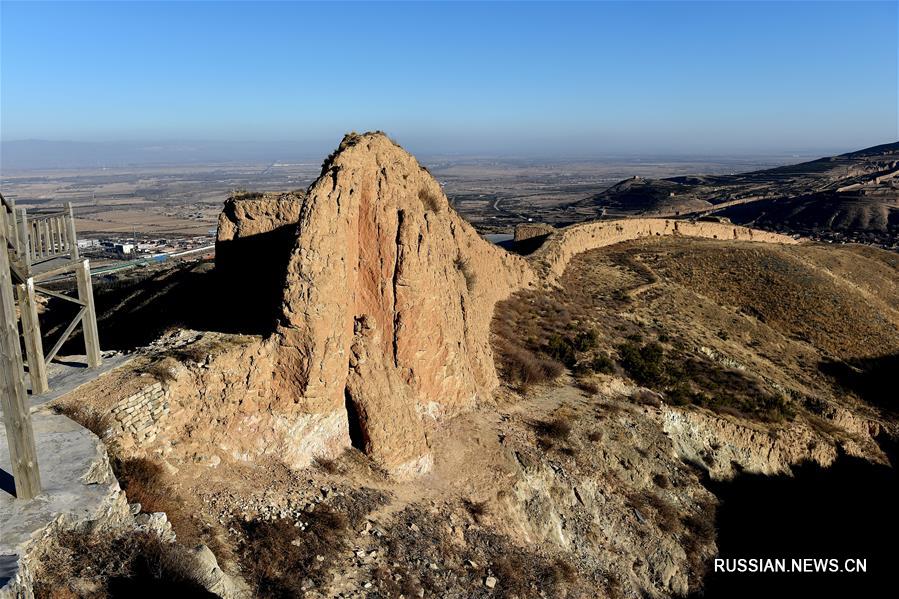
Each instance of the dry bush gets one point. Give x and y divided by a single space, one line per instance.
161 370
243 194
430 200
477 509
645 397
144 483
558 428
277 558
464 266
107 563
418 537
520 575
92 420
588 387
356 504
648 503
326 465
699 533
523 368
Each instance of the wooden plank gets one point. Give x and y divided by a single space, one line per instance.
35 241
89 326
31 331
64 231
57 294
65 335
48 242
25 248
70 228
46 274
61 234
14 401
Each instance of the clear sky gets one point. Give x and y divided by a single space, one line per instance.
591 77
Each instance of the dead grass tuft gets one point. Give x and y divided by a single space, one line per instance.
277 557
430 200
92 420
477 509
107 563
144 483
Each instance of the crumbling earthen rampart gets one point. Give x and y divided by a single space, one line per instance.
558 249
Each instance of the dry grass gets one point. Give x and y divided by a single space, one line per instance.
430 200
90 419
523 368
477 509
107 563
417 538
471 278
558 428
278 558
144 482
162 370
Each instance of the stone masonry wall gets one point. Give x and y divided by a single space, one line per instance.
136 418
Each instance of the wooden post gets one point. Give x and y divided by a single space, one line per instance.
24 247
31 331
70 231
16 415
89 322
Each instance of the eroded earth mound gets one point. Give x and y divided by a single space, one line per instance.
430 415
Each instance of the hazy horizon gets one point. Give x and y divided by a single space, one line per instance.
26 155
534 79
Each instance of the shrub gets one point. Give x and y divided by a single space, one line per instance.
562 349
558 428
429 199
602 363
585 340
471 278
477 509
523 368
588 387
644 364
117 564
277 557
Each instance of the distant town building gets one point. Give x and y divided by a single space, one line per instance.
124 249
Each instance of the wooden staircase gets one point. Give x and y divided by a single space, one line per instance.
38 246
43 245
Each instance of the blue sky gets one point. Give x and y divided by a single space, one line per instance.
456 77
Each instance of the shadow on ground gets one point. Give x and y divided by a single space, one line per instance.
846 511
872 379
132 311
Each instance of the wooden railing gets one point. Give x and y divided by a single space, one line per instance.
33 239
49 235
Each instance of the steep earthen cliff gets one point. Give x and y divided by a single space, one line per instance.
388 300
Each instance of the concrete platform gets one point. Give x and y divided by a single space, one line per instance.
67 373
77 486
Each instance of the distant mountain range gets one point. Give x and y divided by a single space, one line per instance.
852 197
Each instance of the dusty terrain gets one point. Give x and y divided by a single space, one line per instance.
425 414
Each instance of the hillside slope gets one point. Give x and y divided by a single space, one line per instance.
853 196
